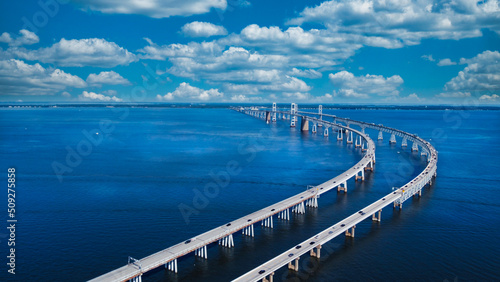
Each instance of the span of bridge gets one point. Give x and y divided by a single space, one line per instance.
265 272
168 257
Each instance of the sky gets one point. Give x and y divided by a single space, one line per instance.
246 51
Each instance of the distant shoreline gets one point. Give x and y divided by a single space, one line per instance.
224 105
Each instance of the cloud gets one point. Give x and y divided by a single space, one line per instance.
307 73
481 74
351 86
404 21
94 97
202 29
493 97
186 92
311 49
106 77
93 52
26 38
244 98
454 95
410 99
446 62
153 8
428 58
237 68
19 78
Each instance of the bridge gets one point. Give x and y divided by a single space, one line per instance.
223 235
265 272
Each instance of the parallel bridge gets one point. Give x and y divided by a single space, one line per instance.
134 270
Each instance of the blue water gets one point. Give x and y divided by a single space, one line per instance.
121 196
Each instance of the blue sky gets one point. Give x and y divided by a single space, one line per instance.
242 51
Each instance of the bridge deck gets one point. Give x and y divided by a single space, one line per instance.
162 257
321 238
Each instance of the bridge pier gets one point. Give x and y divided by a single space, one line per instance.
358 141
294 267
267 222
399 205
369 166
325 133
362 176
375 218
299 208
393 139
227 241
316 254
342 187
274 113
136 279
172 265
404 143
270 278
349 136
248 231
284 214
304 124
380 135
268 117
414 147
350 234
340 136
293 111
201 252
312 202
363 146
315 128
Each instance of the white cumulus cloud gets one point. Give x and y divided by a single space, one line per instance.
94 97
202 29
26 37
446 62
407 21
351 86
153 8
19 78
481 74
106 77
186 92
93 52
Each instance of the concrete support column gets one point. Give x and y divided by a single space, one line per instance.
340 136
316 253
350 234
380 135
414 147
358 141
349 136
400 206
342 187
304 124
393 139
362 176
315 128
375 218
172 265
325 133
404 143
